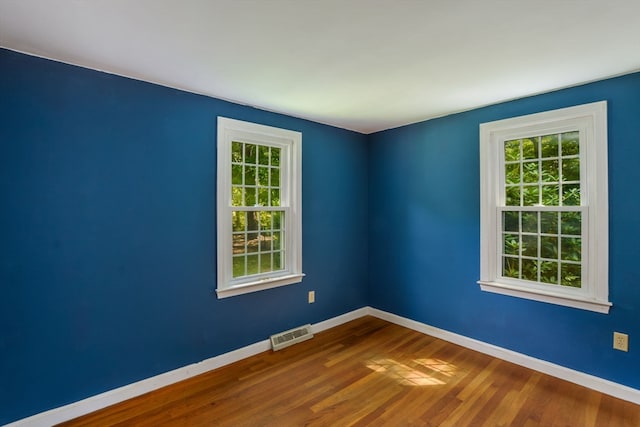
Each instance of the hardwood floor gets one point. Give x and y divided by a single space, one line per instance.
369 372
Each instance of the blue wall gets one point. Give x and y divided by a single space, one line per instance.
107 233
425 229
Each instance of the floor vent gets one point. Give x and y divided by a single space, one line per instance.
290 337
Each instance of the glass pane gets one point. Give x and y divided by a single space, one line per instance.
550 195
250 196
512 173
250 175
263 177
263 155
530 222
530 172
550 171
510 267
239 243
512 196
549 272
570 143
239 220
571 223
238 266
275 156
549 222
549 247
275 177
252 221
236 152
511 244
530 195
250 151
236 174
530 269
571 195
530 246
276 240
252 242
571 248
278 261
570 169
252 264
530 148
277 217
550 146
512 150
236 196
263 197
275 197
265 263
571 275
510 221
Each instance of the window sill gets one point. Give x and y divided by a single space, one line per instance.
259 285
548 297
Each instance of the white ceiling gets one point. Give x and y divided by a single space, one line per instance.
365 65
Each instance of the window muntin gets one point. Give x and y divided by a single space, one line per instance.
259 207
544 215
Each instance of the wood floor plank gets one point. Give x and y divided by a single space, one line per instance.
369 372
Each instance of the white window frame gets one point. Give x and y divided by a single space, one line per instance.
290 143
591 121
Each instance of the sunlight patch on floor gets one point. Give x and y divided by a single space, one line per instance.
406 375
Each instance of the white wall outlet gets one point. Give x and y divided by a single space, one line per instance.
312 297
620 341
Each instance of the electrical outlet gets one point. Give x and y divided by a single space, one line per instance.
620 341
312 297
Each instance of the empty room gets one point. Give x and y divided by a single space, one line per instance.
323 213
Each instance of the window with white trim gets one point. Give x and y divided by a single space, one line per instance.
544 207
259 202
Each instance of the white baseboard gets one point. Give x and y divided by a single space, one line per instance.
595 383
129 391
102 400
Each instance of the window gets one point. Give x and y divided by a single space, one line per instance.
259 207
544 207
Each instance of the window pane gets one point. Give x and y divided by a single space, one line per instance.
530 148
570 143
265 263
571 195
571 223
530 172
236 196
278 261
530 195
549 272
549 222
250 196
263 197
238 266
250 151
511 221
530 222
275 177
511 244
550 195
239 242
263 155
512 196
263 176
570 169
530 246
510 267
276 240
250 175
252 264
236 152
275 156
549 247
550 171
252 242
252 221
236 174
530 269
239 220
571 275
512 173
275 197
571 248
550 146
